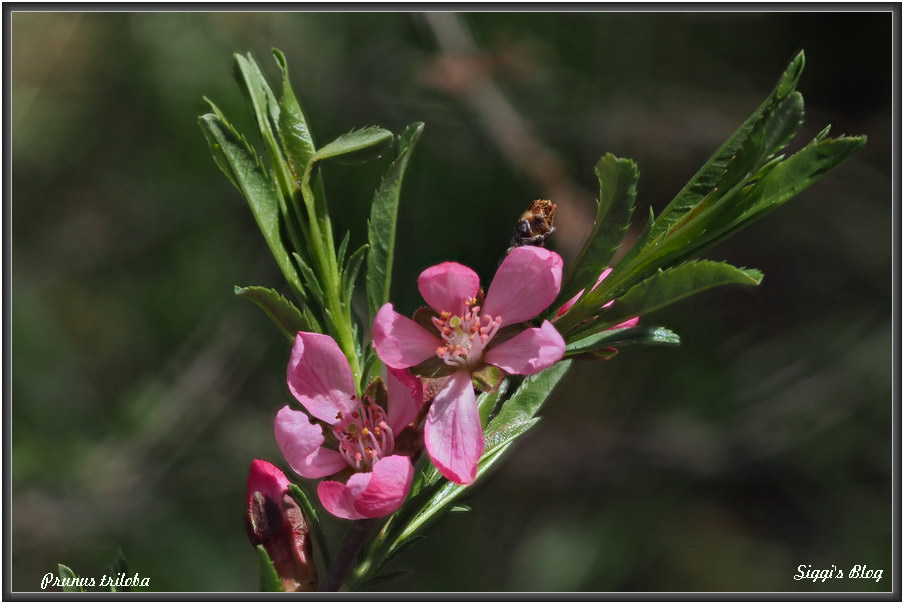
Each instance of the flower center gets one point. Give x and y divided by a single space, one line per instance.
364 436
464 336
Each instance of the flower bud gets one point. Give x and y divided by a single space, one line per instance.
275 521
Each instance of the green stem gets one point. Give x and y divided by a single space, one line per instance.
323 247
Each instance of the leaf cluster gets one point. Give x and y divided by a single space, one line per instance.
749 176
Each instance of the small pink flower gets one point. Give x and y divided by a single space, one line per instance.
564 308
527 282
275 521
320 378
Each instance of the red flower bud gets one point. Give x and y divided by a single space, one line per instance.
275 521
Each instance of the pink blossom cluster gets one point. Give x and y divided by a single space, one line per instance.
355 440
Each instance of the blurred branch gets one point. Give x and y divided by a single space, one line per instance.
460 72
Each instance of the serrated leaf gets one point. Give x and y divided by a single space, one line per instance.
282 312
356 146
446 494
714 170
795 174
269 578
381 228
618 189
310 279
623 337
238 161
671 285
500 435
505 433
293 127
266 114
766 192
529 397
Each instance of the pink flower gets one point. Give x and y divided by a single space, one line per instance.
527 282
629 323
275 521
320 378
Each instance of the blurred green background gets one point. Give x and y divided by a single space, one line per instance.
142 388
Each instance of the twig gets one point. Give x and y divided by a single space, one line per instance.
348 554
513 134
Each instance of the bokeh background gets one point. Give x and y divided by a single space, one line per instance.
142 387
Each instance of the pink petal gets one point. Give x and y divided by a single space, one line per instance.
452 433
387 489
530 351
319 376
339 499
446 286
266 479
300 442
528 281
564 308
629 323
400 342
405 396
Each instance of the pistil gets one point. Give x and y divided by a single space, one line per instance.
464 336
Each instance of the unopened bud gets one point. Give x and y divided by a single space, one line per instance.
275 521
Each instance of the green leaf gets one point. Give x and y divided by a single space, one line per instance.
393 575
671 285
350 273
713 172
68 578
343 248
792 176
623 337
446 495
265 111
528 398
293 127
116 566
357 146
310 279
268 576
768 190
402 546
515 416
504 434
618 188
486 402
381 228
313 521
283 313
238 161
